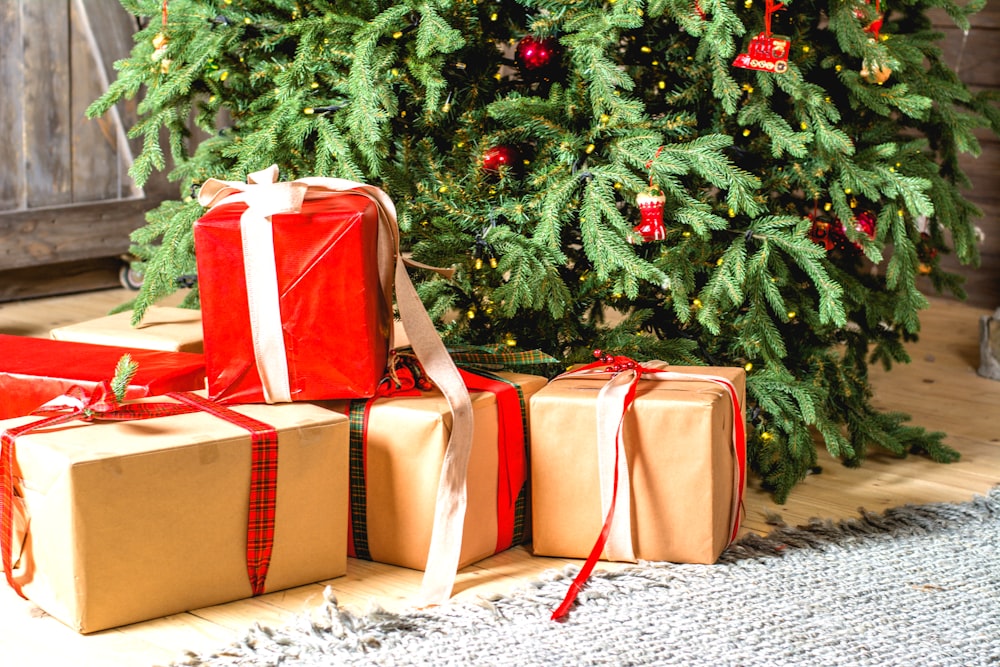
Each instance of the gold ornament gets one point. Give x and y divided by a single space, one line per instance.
160 44
875 73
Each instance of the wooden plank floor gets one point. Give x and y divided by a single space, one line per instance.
940 388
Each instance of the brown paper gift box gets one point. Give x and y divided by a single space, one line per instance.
131 521
678 440
407 438
162 328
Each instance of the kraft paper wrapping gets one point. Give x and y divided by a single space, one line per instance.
678 440
162 328
407 438
131 521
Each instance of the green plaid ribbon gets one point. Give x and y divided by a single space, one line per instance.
358 544
498 356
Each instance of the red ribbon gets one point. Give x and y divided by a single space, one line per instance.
618 364
512 462
102 405
770 7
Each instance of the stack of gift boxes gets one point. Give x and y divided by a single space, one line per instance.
297 431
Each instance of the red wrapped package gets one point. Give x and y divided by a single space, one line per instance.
33 371
297 280
294 300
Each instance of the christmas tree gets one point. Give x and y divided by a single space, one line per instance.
695 181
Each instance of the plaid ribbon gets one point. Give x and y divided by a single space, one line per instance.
512 462
357 543
498 356
101 405
263 484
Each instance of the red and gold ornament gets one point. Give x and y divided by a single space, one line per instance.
824 232
871 71
831 233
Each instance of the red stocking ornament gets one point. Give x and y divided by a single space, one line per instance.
650 203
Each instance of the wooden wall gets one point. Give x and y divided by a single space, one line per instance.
976 57
65 194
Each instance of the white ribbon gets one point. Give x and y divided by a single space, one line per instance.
257 236
611 449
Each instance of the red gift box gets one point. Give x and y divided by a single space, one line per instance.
290 273
33 371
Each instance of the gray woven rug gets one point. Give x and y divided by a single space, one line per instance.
917 586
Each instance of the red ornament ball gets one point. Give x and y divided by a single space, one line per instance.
536 54
865 223
498 156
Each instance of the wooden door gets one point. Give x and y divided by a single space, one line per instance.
975 55
65 194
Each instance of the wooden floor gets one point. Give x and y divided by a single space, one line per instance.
940 388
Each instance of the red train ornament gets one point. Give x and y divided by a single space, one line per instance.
767 53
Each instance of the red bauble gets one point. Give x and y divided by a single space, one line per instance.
498 156
536 54
828 233
865 223
831 234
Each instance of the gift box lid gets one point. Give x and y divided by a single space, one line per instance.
165 328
